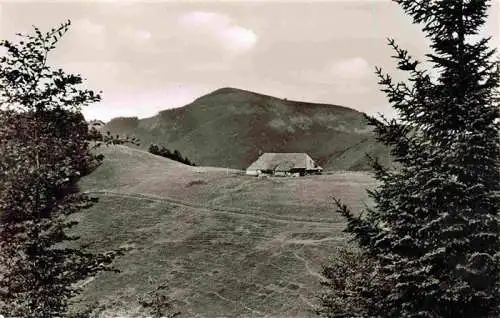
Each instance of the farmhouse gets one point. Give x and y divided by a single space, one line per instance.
283 164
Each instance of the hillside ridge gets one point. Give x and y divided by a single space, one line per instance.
230 127
235 90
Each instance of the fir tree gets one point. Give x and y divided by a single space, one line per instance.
434 229
45 150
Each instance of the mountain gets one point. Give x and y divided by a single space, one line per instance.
230 127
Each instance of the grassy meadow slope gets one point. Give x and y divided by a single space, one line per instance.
228 128
228 245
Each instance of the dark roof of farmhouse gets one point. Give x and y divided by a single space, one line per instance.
283 162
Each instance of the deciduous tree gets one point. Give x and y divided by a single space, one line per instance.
45 149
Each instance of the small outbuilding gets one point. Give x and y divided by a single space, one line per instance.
284 164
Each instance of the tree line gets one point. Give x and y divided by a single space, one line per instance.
165 152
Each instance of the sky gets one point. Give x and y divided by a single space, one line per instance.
148 56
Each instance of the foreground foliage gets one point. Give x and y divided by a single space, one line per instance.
348 278
45 150
433 236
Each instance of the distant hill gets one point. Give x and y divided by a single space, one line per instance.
230 127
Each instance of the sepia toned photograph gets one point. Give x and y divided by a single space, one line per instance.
249 159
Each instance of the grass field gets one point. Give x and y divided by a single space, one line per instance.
228 245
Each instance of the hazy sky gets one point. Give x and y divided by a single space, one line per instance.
151 55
